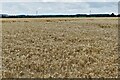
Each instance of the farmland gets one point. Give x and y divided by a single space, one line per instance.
59 47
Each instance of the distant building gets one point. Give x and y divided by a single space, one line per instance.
3 15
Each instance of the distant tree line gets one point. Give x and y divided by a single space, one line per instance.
45 16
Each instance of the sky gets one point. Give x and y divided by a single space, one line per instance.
47 7
60 0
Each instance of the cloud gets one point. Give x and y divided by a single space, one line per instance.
59 0
59 7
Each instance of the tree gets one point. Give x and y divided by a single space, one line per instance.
112 14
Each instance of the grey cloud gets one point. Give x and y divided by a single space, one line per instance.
102 4
58 7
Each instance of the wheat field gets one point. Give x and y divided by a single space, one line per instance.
59 47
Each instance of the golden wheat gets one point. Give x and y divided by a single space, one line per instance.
60 47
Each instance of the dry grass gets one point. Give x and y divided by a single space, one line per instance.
60 47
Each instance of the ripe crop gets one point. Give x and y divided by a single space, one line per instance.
59 47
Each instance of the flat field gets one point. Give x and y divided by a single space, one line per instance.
59 47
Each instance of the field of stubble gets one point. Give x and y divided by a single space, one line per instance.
59 47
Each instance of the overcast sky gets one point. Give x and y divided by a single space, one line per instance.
57 7
59 0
